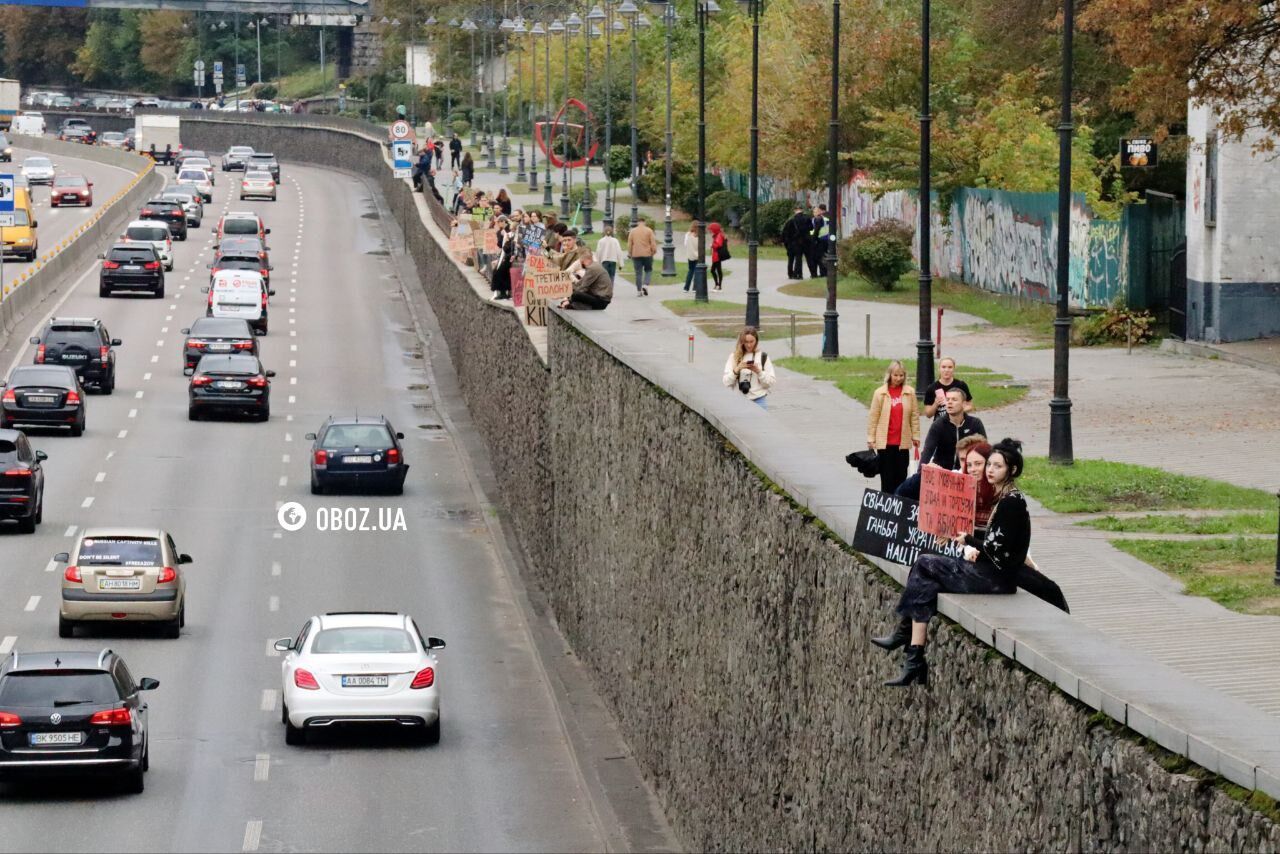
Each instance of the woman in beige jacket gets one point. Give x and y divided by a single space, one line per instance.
893 426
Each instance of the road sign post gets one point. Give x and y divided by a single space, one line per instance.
402 155
6 217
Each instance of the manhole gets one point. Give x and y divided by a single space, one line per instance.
430 426
370 215
377 252
418 387
424 406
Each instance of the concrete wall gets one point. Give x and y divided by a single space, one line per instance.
726 629
1233 266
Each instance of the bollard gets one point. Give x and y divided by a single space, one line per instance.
1128 334
691 348
1277 575
793 335
940 333
868 336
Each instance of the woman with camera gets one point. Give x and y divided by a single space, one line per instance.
749 368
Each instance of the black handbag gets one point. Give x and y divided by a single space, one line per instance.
723 252
866 462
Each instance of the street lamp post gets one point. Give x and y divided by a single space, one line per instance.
488 91
668 11
256 26
753 237
830 318
517 28
546 44
704 9
589 31
631 12
535 30
469 27
608 107
505 27
1060 450
924 347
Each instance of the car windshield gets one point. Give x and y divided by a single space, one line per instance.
120 551
372 436
70 181
112 136
147 232
39 376
265 158
366 639
20 218
241 150
37 163
240 226
51 688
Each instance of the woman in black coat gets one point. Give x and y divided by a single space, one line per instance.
468 169
990 564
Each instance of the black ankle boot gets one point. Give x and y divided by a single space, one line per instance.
898 637
914 669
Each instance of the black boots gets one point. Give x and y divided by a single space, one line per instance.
914 669
898 637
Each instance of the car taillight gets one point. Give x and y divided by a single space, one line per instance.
393 456
195 344
73 398
151 265
264 299
102 354
146 211
9 719
9 397
111 717
322 458
110 265
243 345
257 382
303 679
18 473
177 213
425 679
167 575
201 379
72 574
263 271
271 184
40 355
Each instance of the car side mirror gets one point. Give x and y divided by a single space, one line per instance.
35 224
41 456
399 435
271 293
184 558
270 373
435 643
116 342
186 372
270 267
35 340
267 231
185 330
209 265
148 684
62 557
283 645
310 437
204 290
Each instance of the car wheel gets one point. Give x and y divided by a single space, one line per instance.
109 385
169 268
146 756
265 415
40 510
182 615
397 489
77 429
134 781
192 415
173 628
66 628
431 734
27 524
160 293
104 291
292 734
316 487
182 235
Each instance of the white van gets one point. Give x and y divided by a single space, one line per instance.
28 124
240 294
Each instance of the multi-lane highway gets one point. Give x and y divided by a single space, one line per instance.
342 340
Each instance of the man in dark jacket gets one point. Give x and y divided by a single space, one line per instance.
819 234
795 237
455 152
594 290
941 440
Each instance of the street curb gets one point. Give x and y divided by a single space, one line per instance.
1207 351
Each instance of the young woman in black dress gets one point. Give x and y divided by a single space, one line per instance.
989 565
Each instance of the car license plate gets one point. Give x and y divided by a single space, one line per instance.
132 267
228 384
40 398
46 738
364 681
220 347
74 357
364 458
119 583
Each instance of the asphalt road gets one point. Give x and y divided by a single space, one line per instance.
57 224
503 776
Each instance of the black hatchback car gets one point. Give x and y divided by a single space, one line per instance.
230 384
171 213
213 336
73 712
131 267
357 452
43 396
21 481
263 161
83 344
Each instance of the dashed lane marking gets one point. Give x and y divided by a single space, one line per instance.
32 603
155 359
284 480
138 394
100 477
252 836
70 532
261 767
273 604
51 566
275 567
146 376
133 413
268 699
272 652
87 503
122 434
6 645
284 458
293 398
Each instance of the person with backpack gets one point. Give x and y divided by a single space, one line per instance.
719 253
749 369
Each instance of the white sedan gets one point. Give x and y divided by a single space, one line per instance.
360 667
38 170
199 180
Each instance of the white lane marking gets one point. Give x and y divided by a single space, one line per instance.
138 395
163 329
122 434
293 380
293 320
252 836
155 359
146 376
109 455
51 566
6 645
87 503
293 363
272 652
288 437
275 567
269 699
292 309
293 399
284 458
277 536
159 342
133 413
32 603
293 290
168 317
288 418
172 308
273 604
100 477
70 532
292 299
284 480
293 348
293 333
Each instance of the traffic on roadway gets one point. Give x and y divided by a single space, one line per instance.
237 531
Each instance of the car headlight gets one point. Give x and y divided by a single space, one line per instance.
23 240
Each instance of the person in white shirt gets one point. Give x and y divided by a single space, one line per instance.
749 368
691 255
609 252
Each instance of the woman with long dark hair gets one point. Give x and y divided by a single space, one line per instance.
990 564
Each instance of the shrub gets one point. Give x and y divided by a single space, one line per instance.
881 258
268 91
1113 326
727 208
689 198
893 228
621 225
461 127
771 217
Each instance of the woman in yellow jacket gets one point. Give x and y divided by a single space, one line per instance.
893 426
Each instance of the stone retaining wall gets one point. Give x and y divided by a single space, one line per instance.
726 629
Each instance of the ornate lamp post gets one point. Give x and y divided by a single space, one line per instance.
589 32
469 27
830 318
704 9
517 29
1060 445
505 27
489 24
610 26
668 12
753 7
924 347
631 12
546 43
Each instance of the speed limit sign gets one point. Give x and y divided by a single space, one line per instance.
400 129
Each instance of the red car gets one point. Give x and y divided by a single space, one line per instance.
71 189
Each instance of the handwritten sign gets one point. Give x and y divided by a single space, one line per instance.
888 528
517 286
460 245
948 500
491 241
531 238
543 288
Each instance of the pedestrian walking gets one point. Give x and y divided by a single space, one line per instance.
935 394
437 148
642 245
819 233
455 152
893 426
989 565
609 252
719 253
468 169
795 237
749 368
691 255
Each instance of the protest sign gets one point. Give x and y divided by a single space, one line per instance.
532 238
491 241
948 500
888 528
460 244
543 288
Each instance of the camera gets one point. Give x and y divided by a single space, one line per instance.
744 385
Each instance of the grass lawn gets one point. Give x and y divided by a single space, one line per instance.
721 319
306 83
1236 573
1234 523
1100 486
859 377
996 309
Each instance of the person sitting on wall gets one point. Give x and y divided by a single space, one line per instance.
594 290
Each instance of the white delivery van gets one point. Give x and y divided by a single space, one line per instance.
240 294
28 124
10 101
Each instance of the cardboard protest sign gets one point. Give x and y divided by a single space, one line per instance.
460 245
948 501
491 241
888 528
541 289
531 238
517 286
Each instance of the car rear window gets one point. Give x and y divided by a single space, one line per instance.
141 255
228 365
120 551
368 639
84 335
148 232
221 327
374 436
257 176
240 226
47 688
40 376
192 175
8 452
